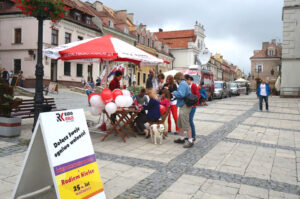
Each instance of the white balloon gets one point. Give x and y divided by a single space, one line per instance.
119 100
126 92
96 101
128 101
111 108
96 111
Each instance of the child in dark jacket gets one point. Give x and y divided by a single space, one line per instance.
153 115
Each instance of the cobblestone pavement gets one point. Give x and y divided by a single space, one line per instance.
240 152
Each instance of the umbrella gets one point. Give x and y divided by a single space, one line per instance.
104 48
241 80
171 72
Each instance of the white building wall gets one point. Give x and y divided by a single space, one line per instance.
183 58
290 82
10 51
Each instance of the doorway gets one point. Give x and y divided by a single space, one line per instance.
53 70
90 70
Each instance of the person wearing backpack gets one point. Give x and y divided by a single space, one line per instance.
183 122
194 88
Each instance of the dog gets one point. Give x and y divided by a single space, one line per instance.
157 131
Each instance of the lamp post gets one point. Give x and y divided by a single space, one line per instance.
54 10
39 74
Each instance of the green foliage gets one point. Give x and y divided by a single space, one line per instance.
7 101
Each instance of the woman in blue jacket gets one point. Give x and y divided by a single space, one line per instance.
153 114
263 91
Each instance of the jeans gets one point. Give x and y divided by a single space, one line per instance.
261 98
142 119
192 114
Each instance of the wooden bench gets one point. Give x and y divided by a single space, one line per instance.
26 109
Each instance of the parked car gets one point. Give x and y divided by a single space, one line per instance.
234 89
221 89
202 77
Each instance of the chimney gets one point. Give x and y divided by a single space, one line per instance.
98 6
265 45
121 15
130 17
160 30
274 41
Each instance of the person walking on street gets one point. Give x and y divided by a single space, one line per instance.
170 84
5 75
152 80
263 91
21 79
247 88
195 90
183 120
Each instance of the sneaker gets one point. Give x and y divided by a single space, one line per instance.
188 144
176 133
179 141
194 139
267 110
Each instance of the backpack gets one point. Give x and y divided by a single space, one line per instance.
191 99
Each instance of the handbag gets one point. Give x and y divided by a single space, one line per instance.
191 99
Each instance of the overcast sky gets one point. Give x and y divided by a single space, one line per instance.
234 28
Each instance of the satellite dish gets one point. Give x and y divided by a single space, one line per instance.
204 56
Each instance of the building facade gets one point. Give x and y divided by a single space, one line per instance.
266 63
184 45
290 83
18 41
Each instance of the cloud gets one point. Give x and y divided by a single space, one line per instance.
234 28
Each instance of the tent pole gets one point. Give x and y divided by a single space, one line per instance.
106 61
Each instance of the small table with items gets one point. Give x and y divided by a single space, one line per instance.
122 120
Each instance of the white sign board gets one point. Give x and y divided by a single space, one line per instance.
61 154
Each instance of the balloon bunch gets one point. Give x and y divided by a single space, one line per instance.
109 101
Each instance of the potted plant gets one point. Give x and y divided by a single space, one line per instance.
9 126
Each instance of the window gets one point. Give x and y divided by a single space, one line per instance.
139 78
88 20
138 38
148 42
195 59
67 38
271 52
18 35
54 37
278 68
77 16
17 66
143 40
79 70
144 77
67 68
126 30
110 24
152 44
80 38
259 68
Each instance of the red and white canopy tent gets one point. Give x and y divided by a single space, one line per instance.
104 49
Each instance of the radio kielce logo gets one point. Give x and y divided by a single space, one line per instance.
65 117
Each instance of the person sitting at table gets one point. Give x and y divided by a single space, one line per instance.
153 114
115 83
141 97
165 101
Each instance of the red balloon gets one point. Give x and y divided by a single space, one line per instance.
90 95
162 109
106 96
116 93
